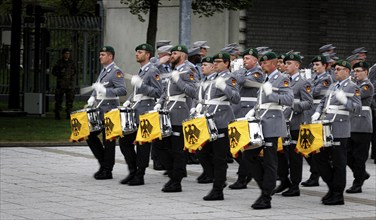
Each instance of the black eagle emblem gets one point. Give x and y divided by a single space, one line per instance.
306 138
76 126
146 128
234 137
109 126
192 133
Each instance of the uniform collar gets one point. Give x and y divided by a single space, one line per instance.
293 77
144 66
108 66
275 72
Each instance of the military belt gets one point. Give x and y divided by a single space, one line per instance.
107 98
296 100
216 102
140 97
248 99
366 108
316 101
336 109
177 98
271 106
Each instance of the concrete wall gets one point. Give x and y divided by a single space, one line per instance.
124 31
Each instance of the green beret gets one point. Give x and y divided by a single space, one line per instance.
146 47
108 49
207 60
222 55
180 48
250 51
319 58
293 56
268 56
363 64
343 63
281 56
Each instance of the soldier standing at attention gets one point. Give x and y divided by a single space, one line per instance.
289 159
65 72
217 98
343 99
248 97
273 126
361 130
108 87
147 87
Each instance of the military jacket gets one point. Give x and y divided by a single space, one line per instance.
363 122
248 95
176 94
65 72
341 127
273 121
112 78
320 85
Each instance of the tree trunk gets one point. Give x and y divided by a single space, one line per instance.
14 81
152 26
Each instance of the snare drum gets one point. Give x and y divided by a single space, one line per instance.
127 119
326 132
94 122
165 122
255 133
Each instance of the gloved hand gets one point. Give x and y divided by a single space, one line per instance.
136 81
127 103
175 76
99 87
220 83
90 101
157 107
192 111
341 97
268 88
250 114
198 107
315 116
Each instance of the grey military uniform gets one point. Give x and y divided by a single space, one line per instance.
330 105
151 88
302 102
273 121
113 80
363 122
175 94
217 102
320 84
248 95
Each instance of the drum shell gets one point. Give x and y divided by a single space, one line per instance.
255 134
165 122
93 116
127 120
326 132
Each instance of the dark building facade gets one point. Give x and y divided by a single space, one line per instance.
307 25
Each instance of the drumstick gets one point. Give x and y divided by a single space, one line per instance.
86 90
252 84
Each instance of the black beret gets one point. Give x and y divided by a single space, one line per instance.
363 64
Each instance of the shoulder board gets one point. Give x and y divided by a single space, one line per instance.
147 68
276 76
297 78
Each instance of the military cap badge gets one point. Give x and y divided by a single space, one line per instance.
220 56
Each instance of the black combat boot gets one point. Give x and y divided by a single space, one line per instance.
132 172
138 178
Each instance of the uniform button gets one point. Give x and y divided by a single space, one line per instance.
179 106
219 110
247 105
340 119
360 115
148 104
273 116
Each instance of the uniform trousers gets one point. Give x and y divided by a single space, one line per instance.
69 98
243 172
357 155
291 161
331 163
212 157
263 169
139 158
171 153
105 153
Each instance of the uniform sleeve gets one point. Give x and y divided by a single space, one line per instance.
232 91
284 95
354 103
187 83
152 85
306 100
119 88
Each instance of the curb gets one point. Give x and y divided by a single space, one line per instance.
42 144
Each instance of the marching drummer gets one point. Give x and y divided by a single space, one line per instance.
217 97
361 130
251 72
180 87
107 89
343 99
273 126
320 81
289 159
147 87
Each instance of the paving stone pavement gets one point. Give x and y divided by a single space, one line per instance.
58 183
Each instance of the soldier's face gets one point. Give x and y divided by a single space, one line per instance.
292 67
141 56
268 66
341 73
105 58
175 57
360 73
249 61
318 67
207 68
203 52
220 65
281 65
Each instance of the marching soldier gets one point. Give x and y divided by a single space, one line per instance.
217 98
147 87
289 159
251 72
203 47
320 84
107 89
361 130
343 99
181 86
273 126
281 65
